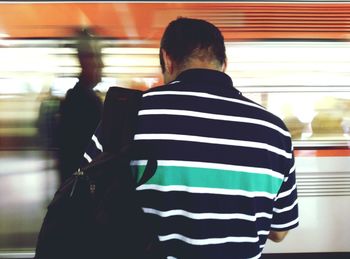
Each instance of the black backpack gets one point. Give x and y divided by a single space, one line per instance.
95 213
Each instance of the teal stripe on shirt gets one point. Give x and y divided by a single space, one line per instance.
214 178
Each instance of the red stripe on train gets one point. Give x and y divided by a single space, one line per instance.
322 153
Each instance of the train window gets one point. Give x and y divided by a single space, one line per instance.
317 118
305 83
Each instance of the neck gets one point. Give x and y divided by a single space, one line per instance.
86 83
196 64
201 65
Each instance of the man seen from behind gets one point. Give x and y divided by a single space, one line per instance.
225 181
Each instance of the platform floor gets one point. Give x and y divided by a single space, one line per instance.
28 180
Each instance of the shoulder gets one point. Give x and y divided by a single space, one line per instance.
116 91
263 114
68 98
159 88
275 130
70 93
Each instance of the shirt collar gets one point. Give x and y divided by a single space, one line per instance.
212 80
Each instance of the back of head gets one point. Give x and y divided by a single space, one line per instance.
87 43
89 56
185 39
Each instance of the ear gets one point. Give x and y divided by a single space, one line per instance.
169 65
224 66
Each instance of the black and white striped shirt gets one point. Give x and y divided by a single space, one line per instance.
226 173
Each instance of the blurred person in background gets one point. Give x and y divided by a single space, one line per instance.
295 126
326 125
48 119
328 122
80 111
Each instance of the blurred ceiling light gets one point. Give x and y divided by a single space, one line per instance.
84 20
147 81
289 63
132 51
252 65
131 70
4 42
128 60
126 18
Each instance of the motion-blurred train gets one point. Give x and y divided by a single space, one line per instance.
291 57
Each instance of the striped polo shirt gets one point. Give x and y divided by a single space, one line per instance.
225 175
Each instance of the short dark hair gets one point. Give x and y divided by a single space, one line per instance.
186 38
87 44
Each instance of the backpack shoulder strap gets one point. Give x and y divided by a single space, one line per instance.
117 129
149 171
107 159
119 118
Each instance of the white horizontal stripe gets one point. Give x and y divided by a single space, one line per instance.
97 143
219 191
255 257
217 166
285 225
286 208
174 82
263 232
209 241
292 169
87 157
203 95
218 141
213 117
200 216
286 193
171 257
263 215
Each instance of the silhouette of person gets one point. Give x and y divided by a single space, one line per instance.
47 119
80 111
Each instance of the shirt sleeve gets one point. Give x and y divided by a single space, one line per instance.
285 210
94 147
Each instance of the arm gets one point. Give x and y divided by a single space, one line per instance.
277 236
285 210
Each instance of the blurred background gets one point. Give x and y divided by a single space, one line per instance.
291 57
